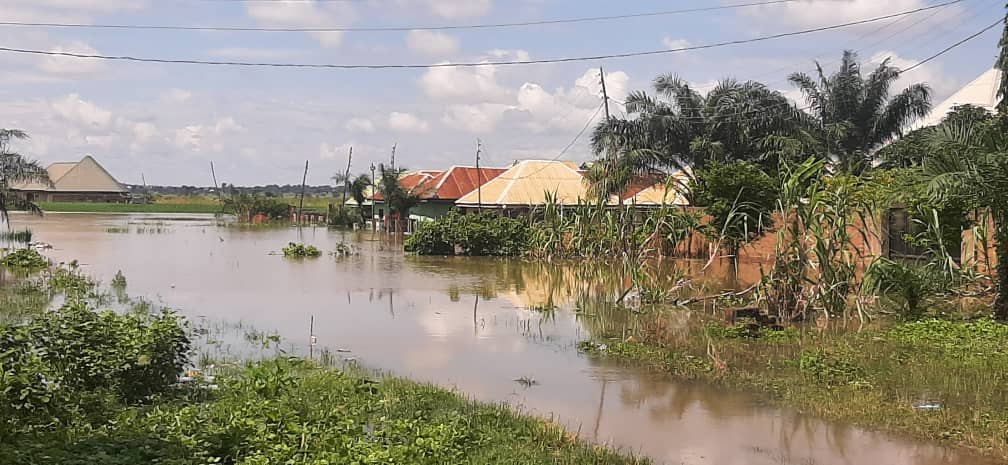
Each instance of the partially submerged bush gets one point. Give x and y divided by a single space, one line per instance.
470 234
68 363
24 259
301 250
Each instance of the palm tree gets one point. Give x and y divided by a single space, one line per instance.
968 161
855 115
679 127
398 198
1002 64
358 190
15 169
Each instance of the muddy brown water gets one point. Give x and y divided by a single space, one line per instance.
462 323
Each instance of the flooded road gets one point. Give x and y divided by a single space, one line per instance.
464 323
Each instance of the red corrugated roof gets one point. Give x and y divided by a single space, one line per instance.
457 182
411 181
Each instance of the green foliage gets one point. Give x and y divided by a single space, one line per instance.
287 411
959 340
856 114
830 368
911 284
740 197
14 169
24 259
247 206
345 216
470 234
297 250
63 366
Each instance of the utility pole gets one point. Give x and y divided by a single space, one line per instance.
346 178
374 189
479 178
393 155
605 96
304 179
220 197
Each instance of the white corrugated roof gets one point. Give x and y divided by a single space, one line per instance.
982 92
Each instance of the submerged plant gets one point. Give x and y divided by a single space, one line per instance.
24 259
23 236
297 250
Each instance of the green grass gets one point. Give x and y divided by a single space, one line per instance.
95 207
293 411
873 378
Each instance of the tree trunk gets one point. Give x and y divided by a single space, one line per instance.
1001 247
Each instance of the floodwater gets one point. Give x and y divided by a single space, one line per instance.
462 323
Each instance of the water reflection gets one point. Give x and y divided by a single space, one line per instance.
472 324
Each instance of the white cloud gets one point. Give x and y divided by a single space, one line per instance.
463 84
334 151
815 13
406 122
359 125
432 43
297 13
77 111
478 119
931 73
673 44
70 65
196 137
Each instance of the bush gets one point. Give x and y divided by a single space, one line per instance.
71 363
301 250
472 234
25 259
739 196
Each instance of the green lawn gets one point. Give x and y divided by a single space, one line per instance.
129 207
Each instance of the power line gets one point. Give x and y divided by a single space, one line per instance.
393 28
568 146
953 46
473 64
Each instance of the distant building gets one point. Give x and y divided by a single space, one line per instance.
438 190
82 181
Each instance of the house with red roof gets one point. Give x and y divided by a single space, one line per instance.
438 190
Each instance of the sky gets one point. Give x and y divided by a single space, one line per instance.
167 122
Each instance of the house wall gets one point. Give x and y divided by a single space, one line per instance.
979 252
431 210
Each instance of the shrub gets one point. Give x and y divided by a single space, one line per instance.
301 250
739 196
472 234
24 259
72 362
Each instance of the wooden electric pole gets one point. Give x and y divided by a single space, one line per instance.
346 178
479 178
605 96
220 196
304 179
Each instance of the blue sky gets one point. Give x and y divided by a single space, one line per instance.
258 125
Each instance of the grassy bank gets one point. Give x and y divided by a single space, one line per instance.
935 379
94 207
79 386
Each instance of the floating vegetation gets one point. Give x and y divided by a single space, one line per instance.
299 250
527 381
141 227
24 259
23 236
344 250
